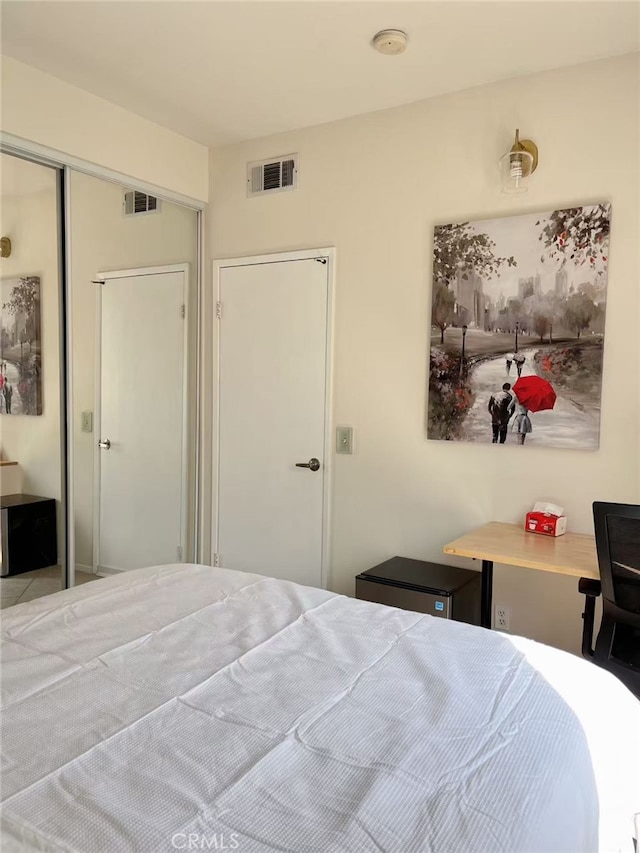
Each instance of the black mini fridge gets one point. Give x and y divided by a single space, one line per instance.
28 533
444 591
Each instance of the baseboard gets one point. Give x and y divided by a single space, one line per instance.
103 571
106 571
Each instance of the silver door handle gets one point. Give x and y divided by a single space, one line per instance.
313 464
104 444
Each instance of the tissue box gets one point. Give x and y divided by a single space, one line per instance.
544 522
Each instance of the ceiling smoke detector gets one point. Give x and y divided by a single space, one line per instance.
390 42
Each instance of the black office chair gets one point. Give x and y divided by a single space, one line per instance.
617 648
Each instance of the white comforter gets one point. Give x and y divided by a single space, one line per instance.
184 708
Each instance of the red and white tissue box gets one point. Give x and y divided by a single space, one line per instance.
547 519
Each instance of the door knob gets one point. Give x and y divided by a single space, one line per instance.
104 444
313 464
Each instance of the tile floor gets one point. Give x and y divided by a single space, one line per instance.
29 585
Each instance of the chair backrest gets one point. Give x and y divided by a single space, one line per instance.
617 529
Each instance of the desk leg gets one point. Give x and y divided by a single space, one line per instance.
487 593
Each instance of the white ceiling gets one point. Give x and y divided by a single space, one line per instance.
221 72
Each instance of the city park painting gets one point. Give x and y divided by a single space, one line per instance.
517 329
20 350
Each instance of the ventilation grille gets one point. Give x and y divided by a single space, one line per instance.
272 176
136 203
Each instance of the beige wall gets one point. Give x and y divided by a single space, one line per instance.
103 239
374 186
29 216
42 109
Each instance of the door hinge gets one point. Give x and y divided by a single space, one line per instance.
216 559
179 549
183 311
321 260
219 310
98 281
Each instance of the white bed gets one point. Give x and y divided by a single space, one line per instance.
185 707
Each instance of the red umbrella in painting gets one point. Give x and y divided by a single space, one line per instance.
535 393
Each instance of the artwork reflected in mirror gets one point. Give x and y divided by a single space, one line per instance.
20 347
517 329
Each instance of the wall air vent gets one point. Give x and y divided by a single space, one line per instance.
272 176
136 203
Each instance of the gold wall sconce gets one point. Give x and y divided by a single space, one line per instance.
518 164
5 247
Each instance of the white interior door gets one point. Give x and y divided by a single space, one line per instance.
272 414
140 420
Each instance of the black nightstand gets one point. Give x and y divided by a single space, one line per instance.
444 591
29 533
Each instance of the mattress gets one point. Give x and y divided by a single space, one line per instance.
184 707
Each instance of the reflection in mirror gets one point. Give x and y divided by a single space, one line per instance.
133 377
32 520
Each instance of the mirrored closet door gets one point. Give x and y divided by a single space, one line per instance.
32 404
133 320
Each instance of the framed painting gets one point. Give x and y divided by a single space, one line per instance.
20 347
517 329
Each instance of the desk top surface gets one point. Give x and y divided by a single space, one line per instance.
569 554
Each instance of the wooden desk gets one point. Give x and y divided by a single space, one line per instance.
570 554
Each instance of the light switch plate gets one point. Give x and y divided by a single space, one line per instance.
86 423
344 439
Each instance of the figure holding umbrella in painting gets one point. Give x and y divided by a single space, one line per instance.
501 407
520 360
533 394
